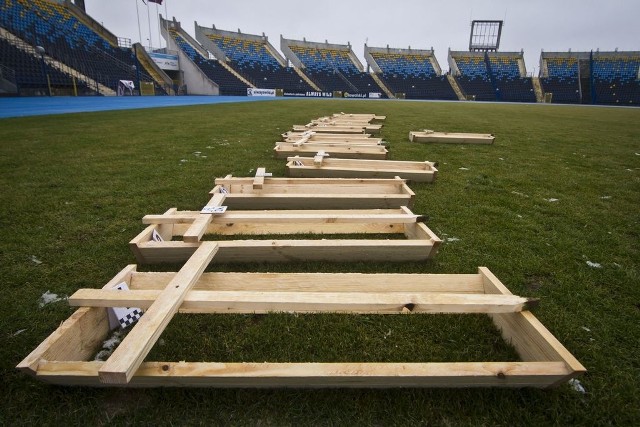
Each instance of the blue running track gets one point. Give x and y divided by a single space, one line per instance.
38 106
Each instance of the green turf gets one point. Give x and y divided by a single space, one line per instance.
75 187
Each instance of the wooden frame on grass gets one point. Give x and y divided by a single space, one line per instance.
313 193
327 167
341 150
420 242
451 137
339 128
329 137
64 357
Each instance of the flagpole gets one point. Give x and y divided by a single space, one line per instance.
150 34
158 22
167 22
138 15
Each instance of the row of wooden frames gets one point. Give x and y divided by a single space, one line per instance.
263 205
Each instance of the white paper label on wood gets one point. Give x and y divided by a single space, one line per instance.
214 210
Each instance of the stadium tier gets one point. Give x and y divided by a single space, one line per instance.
616 78
254 58
32 76
410 73
492 76
331 67
67 39
216 72
560 77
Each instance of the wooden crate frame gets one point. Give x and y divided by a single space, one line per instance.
366 142
327 167
337 128
312 193
341 150
62 358
292 136
421 243
451 137
371 117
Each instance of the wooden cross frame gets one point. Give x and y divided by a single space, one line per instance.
420 242
322 167
451 137
65 356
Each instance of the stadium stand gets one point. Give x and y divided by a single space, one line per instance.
472 75
560 77
492 76
331 67
615 77
410 73
228 83
33 72
67 39
253 57
80 57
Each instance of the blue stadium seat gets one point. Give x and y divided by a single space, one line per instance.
68 40
333 70
252 60
413 75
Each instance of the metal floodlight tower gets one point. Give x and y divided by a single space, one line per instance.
485 36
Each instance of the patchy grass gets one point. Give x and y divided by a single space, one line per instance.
551 208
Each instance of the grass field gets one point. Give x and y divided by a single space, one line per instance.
552 208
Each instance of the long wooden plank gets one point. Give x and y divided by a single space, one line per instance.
335 217
274 216
298 182
310 302
318 282
126 359
317 201
317 375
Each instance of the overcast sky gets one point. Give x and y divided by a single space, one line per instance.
552 25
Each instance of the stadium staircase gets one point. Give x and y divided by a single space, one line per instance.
492 77
235 73
584 70
537 88
456 88
157 74
383 86
307 79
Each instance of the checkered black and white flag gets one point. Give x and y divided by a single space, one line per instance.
125 316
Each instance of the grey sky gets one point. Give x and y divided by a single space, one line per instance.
552 25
